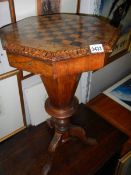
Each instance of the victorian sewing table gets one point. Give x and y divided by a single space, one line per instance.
59 47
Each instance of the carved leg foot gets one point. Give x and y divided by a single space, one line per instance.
65 131
79 132
73 131
55 141
58 138
51 149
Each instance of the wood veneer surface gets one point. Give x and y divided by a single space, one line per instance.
58 37
113 112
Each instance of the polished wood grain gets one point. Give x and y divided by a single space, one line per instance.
26 152
78 6
115 114
57 69
57 48
12 11
60 37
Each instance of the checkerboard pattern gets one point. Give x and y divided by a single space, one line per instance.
59 33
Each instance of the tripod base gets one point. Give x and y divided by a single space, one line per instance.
73 131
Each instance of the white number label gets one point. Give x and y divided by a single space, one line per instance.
96 48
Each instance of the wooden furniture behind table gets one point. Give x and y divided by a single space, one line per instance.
45 7
26 152
115 114
39 7
58 48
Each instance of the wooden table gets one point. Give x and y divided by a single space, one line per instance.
114 113
57 48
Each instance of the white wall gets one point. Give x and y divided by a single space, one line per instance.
28 8
110 74
90 6
69 6
25 8
11 117
4 64
4 13
34 99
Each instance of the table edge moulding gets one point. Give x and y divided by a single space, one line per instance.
60 67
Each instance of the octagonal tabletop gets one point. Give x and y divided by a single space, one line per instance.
60 44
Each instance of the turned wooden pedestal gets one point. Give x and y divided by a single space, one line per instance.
61 105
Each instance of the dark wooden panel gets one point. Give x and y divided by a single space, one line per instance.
113 112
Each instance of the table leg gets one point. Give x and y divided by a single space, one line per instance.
61 105
73 131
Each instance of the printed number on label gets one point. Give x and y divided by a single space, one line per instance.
96 48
